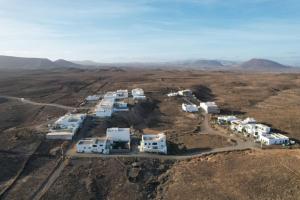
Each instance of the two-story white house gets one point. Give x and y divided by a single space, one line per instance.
154 143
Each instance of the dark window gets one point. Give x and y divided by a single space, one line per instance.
154 143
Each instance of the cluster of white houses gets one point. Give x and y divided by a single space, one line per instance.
113 102
208 107
118 140
249 126
66 127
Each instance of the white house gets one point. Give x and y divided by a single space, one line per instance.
236 125
249 120
105 107
120 106
273 138
93 145
262 129
110 95
210 107
118 134
172 94
66 126
92 98
186 92
155 143
122 94
189 107
226 119
138 94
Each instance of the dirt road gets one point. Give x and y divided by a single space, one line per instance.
27 101
49 181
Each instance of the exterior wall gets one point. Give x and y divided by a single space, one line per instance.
92 147
270 140
104 113
50 136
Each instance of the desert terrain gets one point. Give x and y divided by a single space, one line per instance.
28 160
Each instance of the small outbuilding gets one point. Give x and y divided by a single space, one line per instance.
210 107
189 107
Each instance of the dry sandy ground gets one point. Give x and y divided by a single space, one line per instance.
270 98
241 175
236 175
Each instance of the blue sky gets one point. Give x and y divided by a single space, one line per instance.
153 30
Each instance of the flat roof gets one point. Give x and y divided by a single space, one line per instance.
60 133
153 137
116 129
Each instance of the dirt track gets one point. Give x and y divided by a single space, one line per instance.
27 101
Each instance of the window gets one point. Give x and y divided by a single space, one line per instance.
154 143
94 145
145 143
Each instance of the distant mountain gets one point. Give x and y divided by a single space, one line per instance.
263 65
65 63
86 62
11 62
201 63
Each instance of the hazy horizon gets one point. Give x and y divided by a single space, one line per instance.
145 31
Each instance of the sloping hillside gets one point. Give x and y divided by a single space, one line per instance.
10 62
262 65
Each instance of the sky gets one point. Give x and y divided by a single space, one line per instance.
151 30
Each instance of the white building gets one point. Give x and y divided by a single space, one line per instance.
138 94
189 107
237 125
249 128
122 94
153 143
66 126
92 98
93 145
118 134
273 138
105 107
262 129
210 107
186 92
226 119
249 120
172 94
120 106
110 95
60 135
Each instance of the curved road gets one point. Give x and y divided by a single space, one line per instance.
27 101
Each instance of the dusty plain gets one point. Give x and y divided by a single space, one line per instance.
27 159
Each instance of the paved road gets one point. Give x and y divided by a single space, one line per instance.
27 101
